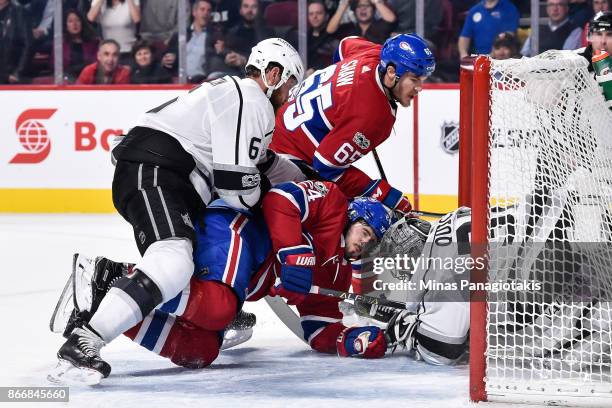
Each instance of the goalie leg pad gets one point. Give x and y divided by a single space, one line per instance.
438 352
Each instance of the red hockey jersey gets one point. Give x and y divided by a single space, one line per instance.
339 114
314 213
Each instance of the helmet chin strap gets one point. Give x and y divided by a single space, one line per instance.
391 88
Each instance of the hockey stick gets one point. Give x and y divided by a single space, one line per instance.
383 176
429 213
286 315
381 171
371 300
290 319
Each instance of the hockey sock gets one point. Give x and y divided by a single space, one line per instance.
132 298
117 313
172 337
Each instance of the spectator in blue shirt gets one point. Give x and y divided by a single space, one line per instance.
483 23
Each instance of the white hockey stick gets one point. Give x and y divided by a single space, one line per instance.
286 315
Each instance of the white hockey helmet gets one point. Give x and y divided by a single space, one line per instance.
281 52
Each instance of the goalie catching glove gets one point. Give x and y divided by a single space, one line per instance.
372 342
296 273
391 197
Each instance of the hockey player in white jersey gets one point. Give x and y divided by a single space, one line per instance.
427 266
436 323
210 140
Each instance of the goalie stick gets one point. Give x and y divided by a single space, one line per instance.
371 300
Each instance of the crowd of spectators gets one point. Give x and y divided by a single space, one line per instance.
136 41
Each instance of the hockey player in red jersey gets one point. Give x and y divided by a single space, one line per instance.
342 112
316 233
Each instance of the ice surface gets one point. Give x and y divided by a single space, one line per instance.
273 369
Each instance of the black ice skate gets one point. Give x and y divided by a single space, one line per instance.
79 359
244 320
89 282
239 330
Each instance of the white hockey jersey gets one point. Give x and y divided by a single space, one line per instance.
226 125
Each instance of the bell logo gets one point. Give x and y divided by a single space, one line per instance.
33 136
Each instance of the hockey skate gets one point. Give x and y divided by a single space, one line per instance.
89 282
239 330
79 359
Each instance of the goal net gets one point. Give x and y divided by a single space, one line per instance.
536 168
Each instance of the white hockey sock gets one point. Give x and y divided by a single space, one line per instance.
117 313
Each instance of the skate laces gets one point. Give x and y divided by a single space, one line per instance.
89 343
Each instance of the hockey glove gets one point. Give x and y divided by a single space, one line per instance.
296 274
391 197
400 330
367 342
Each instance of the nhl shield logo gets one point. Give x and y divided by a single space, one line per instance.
449 139
321 188
361 141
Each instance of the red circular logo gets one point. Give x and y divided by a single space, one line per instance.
33 136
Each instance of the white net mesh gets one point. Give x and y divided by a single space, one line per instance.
550 186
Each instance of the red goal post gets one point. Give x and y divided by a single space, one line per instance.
536 139
473 169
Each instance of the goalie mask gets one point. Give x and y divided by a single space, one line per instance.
372 212
281 52
406 237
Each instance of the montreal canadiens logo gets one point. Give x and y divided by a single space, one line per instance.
33 136
404 46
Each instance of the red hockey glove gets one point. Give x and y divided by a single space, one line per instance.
391 197
367 342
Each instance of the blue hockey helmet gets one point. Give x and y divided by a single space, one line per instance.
372 212
407 53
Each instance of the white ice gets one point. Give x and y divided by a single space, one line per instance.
273 369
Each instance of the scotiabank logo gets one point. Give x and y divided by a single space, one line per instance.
33 136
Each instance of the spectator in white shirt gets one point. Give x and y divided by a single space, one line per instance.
118 19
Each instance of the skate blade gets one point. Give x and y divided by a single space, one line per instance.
83 274
65 304
232 338
67 374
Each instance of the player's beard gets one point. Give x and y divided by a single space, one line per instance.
277 100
